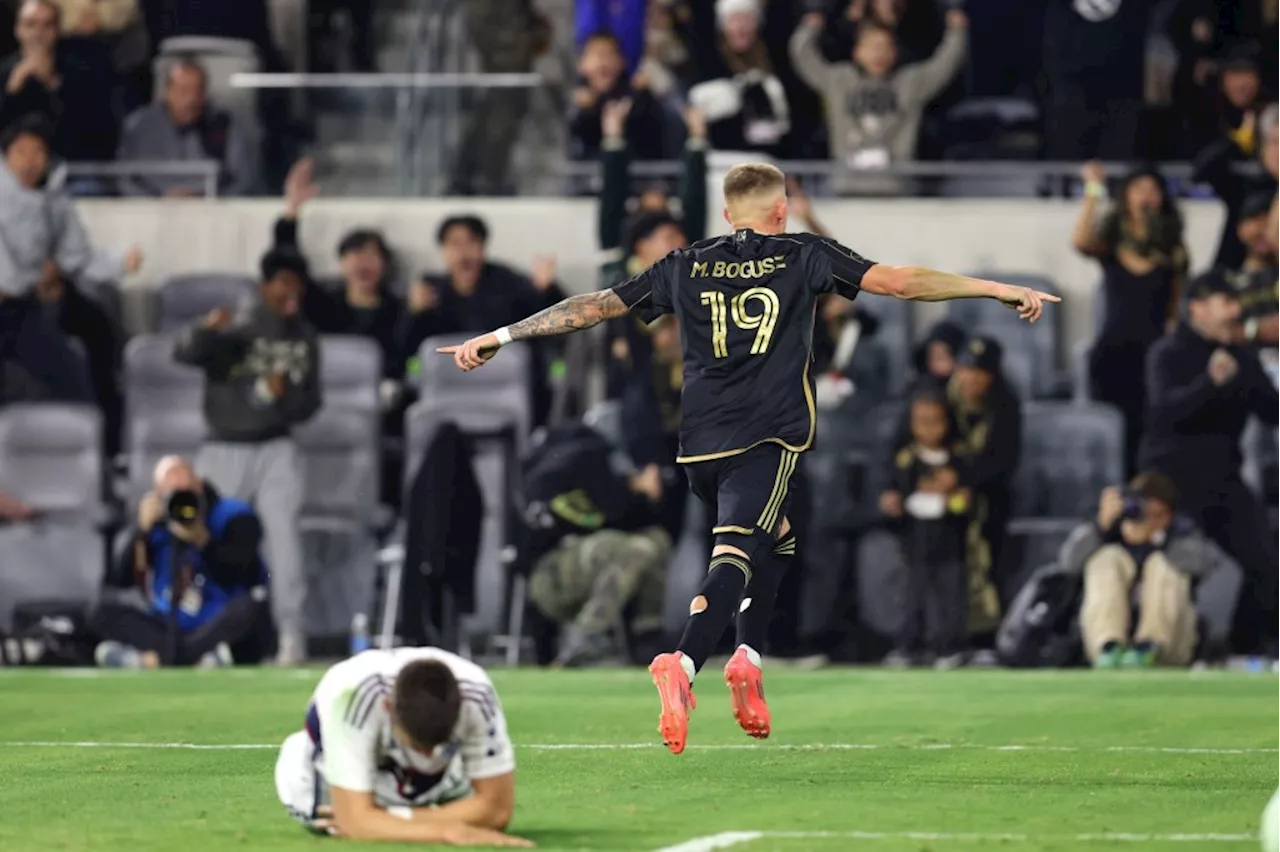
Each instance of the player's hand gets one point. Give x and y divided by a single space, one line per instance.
473 353
460 834
1110 507
1027 302
1222 367
891 504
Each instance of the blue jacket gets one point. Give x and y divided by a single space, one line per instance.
210 590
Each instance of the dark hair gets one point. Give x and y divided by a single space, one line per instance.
426 702
470 221
192 63
1156 486
1166 232
31 124
645 224
603 35
361 237
279 260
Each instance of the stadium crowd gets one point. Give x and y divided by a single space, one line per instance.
955 478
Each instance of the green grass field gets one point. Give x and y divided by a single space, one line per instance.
860 759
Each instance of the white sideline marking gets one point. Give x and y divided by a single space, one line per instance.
707 747
639 746
734 838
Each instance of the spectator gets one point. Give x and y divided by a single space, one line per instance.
42 238
475 294
599 555
321 15
1255 282
81 317
184 128
666 56
1216 166
935 358
739 91
196 547
846 360
116 24
917 26
604 81
874 107
988 417
261 380
928 504
1144 265
1094 71
507 35
1138 547
70 85
623 22
1201 389
364 307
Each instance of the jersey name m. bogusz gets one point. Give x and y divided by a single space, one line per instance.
746 304
349 720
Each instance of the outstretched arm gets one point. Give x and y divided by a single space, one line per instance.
572 314
920 284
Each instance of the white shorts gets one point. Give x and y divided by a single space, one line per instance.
302 788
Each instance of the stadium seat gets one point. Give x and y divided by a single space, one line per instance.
495 397
350 372
1080 352
339 450
1070 452
50 458
150 438
894 337
183 299
1030 351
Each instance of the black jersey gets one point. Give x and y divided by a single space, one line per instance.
746 304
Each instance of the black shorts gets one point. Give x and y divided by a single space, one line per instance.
747 494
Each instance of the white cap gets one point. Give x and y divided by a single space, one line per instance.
725 8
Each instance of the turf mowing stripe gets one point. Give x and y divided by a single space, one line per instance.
726 839
706 747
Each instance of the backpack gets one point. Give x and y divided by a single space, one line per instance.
1042 628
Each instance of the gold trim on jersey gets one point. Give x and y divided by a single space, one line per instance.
808 442
787 547
732 529
786 467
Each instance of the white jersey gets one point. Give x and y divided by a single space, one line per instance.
349 722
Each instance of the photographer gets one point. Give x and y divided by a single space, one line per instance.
197 547
1137 541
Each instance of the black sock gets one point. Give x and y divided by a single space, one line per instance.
719 597
762 591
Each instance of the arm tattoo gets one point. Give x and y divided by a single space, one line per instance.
573 314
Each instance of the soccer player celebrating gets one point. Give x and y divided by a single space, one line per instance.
405 745
746 307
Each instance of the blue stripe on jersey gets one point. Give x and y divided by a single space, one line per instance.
364 698
312 724
481 695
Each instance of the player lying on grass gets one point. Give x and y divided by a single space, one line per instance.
405 745
746 305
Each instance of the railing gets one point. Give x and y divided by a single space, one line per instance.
208 171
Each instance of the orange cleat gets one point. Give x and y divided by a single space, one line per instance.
676 694
746 692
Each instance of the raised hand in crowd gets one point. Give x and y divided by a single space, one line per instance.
1110 507
543 272
613 118
1222 367
299 187
422 297
695 121
218 319
133 260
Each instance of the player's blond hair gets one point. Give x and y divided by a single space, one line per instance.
748 181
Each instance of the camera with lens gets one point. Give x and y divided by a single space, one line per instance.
185 508
1134 506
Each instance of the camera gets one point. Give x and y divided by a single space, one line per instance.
1134 504
185 507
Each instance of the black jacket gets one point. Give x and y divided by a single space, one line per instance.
1194 426
1215 165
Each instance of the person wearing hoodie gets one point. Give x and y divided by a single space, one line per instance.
261 380
42 239
874 107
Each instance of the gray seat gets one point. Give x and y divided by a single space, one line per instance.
155 382
493 397
350 371
183 299
1080 389
339 449
1030 351
894 336
154 436
1070 452
50 458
